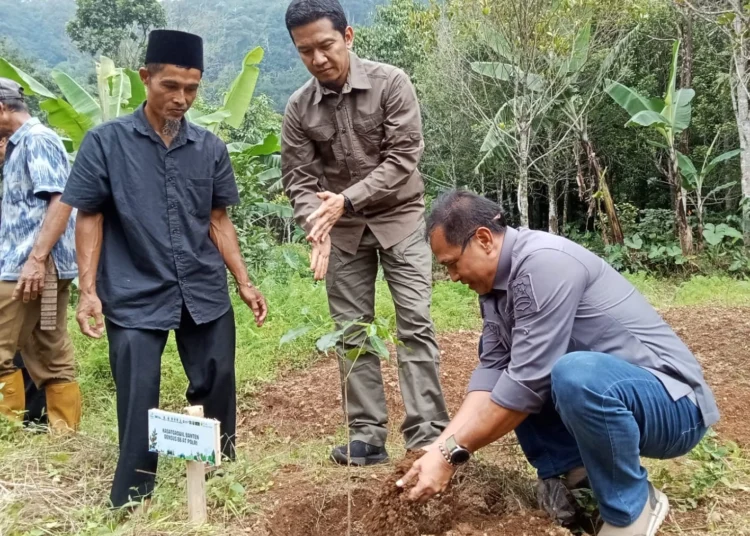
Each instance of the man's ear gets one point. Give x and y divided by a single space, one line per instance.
145 75
485 238
349 37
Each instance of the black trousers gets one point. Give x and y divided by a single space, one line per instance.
207 355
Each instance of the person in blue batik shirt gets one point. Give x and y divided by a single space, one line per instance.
35 227
35 400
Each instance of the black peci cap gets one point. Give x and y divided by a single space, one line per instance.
175 48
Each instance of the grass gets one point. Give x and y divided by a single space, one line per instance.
60 486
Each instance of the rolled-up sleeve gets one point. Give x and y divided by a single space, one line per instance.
402 146
546 295
88 187
301 167
48 165
495 355
225 191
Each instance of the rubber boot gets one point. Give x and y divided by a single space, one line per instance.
63 407
13 403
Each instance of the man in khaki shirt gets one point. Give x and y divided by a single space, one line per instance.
351 143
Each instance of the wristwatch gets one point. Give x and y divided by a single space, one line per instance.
453 453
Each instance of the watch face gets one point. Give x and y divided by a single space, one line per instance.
460 456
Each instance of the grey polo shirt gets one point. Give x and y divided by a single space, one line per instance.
157 257
552 297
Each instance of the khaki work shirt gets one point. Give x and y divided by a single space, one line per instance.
365 143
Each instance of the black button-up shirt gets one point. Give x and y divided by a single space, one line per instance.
157 254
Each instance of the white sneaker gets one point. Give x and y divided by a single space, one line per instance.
653 515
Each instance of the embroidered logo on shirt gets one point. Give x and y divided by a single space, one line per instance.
524 300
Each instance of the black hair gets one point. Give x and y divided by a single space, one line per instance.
156 68
460 213
15 105
303 12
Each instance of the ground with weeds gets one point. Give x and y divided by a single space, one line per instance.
282 483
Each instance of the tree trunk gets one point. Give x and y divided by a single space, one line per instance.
523 173
741 58
686 81
553 220
552 192
684 231
566 204
686 72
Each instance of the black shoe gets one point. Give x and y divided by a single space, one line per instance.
361 454
568 500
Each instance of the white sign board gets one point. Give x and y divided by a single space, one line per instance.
185 437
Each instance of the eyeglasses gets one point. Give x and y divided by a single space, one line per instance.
468 238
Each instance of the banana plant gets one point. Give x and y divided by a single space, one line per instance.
694 179
119 92
668 117
237 100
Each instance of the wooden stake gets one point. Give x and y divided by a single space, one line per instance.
48 321
196 482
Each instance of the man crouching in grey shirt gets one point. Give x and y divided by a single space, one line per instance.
574 360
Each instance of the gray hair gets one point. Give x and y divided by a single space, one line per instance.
460 213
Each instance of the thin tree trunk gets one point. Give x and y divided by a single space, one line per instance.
686 72
686 81
523 174
741 57
566 203
553 220
552 192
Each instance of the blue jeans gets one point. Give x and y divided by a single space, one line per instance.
605 414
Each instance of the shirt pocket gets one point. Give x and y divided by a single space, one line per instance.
327 142
199 196
370 132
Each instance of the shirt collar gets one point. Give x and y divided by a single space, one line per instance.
141 124
502 276
19 134
357 79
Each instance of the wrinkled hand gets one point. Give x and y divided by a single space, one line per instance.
433 474
255 300
329 212
321 253
432 446
90 307
31 282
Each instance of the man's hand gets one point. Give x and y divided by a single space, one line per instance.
329 212
90 307
31 282
321 253
255 300
433 473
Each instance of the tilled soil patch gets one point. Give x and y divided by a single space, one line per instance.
486 499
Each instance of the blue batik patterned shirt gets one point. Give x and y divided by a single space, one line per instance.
36 166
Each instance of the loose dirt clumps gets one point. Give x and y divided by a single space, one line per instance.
392 514
483 500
